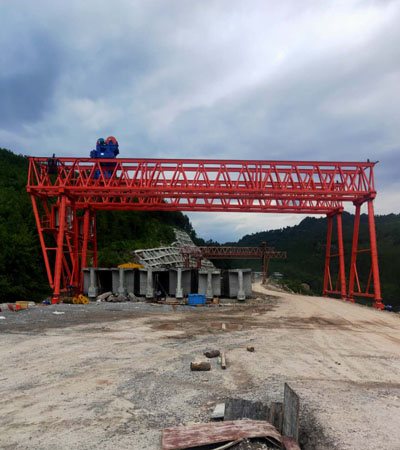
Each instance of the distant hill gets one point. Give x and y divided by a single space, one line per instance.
305 244
22 272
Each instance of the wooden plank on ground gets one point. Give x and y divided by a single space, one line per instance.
291 412
237 408
182 437
223 360
289 443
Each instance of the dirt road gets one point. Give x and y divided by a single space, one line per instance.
116 384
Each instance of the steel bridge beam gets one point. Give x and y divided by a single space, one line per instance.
223 252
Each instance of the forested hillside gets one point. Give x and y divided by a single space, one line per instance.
305 244
22 273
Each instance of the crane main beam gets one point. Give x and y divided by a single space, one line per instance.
190 185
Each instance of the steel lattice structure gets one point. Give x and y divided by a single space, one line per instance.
223 252
71 190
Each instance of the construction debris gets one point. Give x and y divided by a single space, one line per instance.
219 412
243 420
290 443
14 308
103 297
283 416
276 415
168 257
22 304
200 366
184 437
132 297
116 298
212 353
76 300
237 408
229 444
291 412
223 360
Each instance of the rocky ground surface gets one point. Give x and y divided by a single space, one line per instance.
112 375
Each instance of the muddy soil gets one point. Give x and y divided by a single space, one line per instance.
114 376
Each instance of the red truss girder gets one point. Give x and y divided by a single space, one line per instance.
223 252
83 184
191 185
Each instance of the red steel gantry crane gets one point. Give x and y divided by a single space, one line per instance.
67 192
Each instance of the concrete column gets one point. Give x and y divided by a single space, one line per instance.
149 284
179 291
93 290
209 291
121 287
241 295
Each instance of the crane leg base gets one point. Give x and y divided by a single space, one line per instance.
378 305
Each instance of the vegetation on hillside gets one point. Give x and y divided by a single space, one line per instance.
306 242
22 271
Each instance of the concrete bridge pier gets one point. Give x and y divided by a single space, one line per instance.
93 290
149 284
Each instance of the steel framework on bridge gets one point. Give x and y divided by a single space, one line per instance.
224 252
71 190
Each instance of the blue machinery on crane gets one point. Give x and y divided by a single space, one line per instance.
105 149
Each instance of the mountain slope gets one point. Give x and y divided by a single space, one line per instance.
305 244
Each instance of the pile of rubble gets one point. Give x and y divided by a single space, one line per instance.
242 424
116 298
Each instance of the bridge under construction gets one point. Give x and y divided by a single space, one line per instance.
67 192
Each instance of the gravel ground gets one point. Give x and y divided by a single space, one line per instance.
107 376
41 317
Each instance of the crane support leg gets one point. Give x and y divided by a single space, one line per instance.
327 275
354 252
42 242
59 251
374 256
340 286
86 220
342 272
94 239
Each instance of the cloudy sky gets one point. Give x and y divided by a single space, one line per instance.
206 79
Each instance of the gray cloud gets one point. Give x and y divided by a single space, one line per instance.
299 80
30 69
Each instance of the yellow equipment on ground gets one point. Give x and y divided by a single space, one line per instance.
80 300
130 265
